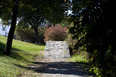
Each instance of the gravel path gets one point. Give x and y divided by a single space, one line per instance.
62 68
54 68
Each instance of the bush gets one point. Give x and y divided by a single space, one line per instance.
55 33
96 31
71 42
28 34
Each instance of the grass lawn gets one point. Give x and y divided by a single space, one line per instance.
22 55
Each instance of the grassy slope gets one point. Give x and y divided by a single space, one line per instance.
22 55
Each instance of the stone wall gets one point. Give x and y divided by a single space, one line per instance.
56 50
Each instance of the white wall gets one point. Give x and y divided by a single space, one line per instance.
4 33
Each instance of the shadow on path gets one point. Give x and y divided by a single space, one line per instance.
67 68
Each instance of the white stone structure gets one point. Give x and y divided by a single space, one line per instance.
56 50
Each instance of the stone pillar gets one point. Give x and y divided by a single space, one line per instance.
56 50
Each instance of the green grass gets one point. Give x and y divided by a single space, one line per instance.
22 55
82 59
78 58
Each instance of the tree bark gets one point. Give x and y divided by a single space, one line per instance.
7 49
36 35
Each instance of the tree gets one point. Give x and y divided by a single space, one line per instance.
94 27
51 10
10 7
8 14
33 17
55 11
5 12
13 24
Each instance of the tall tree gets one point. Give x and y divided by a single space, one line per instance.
8 14
12 29
53 11
33 17
94 27
13 22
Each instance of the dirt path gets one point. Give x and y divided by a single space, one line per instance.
54 68
62 68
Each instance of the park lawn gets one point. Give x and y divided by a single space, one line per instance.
22 55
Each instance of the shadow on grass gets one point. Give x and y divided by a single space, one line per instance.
15 53
2 46
67 68
86 66
17 56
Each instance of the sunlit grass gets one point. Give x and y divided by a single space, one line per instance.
82 58
78 58
22 55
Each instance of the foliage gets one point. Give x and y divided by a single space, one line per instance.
5 11
79 57
27 34
82 59
21 56
71 42
55 33
11 10
65 22
54 11
33 17
94 27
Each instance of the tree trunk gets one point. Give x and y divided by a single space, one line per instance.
7 49
37 36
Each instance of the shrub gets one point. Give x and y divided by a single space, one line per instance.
55 33
71 42
28 34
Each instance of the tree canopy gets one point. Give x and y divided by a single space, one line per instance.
52 11
33 11
94 27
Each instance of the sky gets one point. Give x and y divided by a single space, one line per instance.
0 20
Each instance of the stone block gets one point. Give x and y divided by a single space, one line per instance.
56 50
